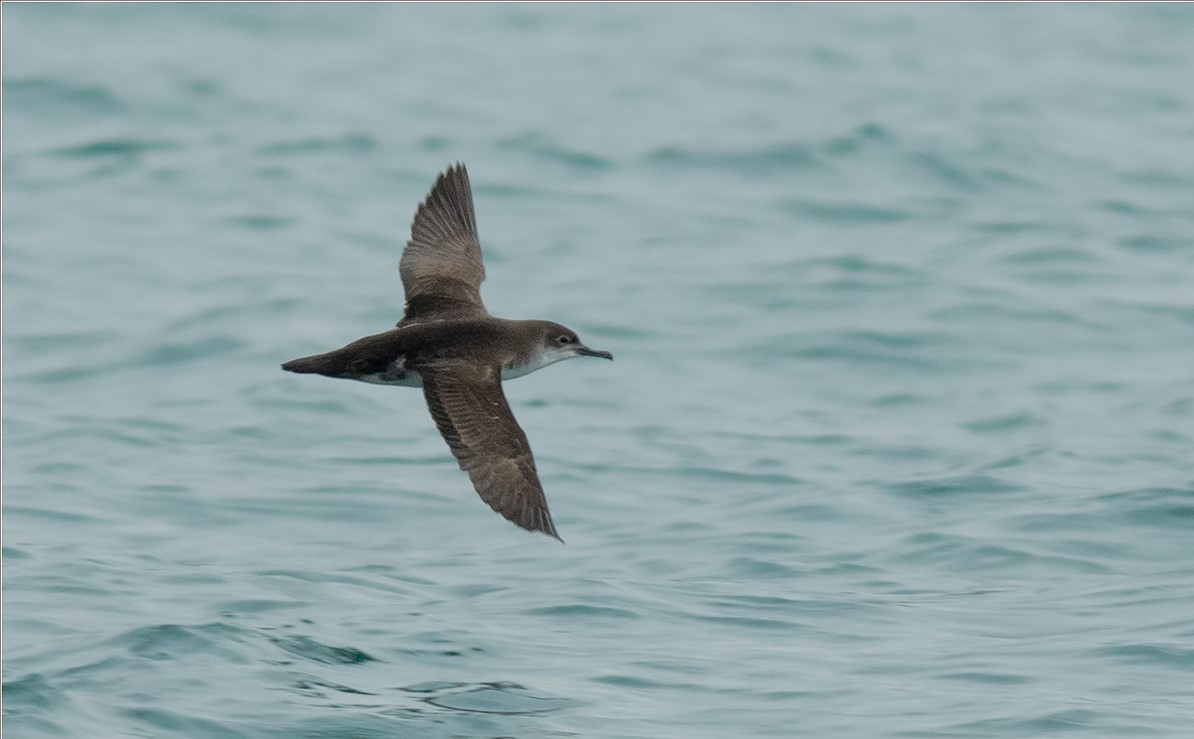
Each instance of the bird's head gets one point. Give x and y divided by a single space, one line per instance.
561 342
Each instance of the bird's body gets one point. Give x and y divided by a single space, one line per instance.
394 357
449 345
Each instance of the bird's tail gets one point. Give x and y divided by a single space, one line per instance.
316 364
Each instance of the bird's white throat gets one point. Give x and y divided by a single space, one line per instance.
542 358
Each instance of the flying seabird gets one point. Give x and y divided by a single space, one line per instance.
449 345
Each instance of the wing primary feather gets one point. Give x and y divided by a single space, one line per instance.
441 267
470 410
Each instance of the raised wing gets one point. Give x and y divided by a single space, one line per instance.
441 266
472 414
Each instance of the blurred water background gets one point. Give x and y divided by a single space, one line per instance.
899 441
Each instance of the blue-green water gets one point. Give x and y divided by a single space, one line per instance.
899 441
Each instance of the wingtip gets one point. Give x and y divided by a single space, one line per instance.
449 204
549 529
538 520
544 523
456 170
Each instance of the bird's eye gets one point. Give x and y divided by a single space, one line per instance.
564 340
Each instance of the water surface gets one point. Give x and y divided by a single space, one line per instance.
898 442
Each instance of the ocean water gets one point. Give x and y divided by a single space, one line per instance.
898 442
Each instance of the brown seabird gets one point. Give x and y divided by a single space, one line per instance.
448 344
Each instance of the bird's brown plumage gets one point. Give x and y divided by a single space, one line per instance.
448 343
472 415
441 267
